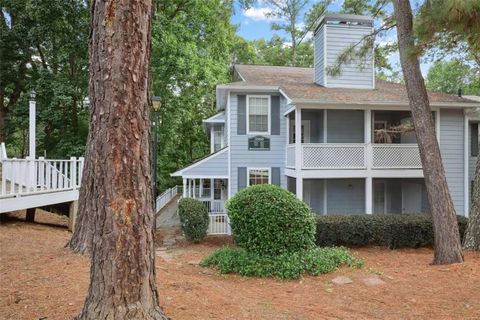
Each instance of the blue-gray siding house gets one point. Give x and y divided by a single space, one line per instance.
342 143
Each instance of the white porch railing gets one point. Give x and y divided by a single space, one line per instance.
25 176
396 156
291 156
166 196
334 156
357 156
214 206
218 224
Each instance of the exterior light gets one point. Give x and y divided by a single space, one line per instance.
33 94
156 103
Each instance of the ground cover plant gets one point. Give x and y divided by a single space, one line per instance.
275 232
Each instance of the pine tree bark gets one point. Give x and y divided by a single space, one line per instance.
447 246
117 194
471 240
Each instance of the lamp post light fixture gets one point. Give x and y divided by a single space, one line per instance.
156 104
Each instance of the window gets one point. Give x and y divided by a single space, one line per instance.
258 114
474 139
258 176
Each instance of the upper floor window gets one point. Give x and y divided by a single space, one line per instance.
258 176
258 114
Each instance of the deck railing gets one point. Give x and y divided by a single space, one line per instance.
290 156
166 197
27 176
215 206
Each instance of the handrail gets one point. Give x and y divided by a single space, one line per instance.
166 197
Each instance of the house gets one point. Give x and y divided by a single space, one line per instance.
344 144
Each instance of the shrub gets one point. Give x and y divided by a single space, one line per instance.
389 230
193 218
288 265
266 219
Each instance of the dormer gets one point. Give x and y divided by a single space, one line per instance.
334 33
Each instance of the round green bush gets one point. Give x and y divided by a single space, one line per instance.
193 218
266 219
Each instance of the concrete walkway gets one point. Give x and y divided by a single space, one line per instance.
167 217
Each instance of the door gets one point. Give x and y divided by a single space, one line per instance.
411 197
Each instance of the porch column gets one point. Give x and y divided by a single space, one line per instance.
184 187
368 195
200 188
298 152
368 139
299 187
194 188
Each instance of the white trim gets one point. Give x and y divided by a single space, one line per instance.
324 56
437 125
368 195
179 173
239 74
248 88
213 120
363 104
259 169
229 134
292 108
356 173
212 142
325 123
466 155
269 114
325 197
205 176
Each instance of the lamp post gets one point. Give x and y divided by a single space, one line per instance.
156 104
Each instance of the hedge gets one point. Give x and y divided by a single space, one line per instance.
193 218
266 219
389 230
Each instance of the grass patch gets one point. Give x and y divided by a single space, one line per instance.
284 266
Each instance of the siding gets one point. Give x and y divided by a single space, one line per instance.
216 165
451 147
240 156
345 196
345 126
339 38
313 194
319 57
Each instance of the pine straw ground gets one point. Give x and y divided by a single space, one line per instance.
40 279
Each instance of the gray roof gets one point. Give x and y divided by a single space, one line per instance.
298 85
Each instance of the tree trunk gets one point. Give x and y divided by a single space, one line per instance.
472 235
117 194
447 247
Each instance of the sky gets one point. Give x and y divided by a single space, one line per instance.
254 24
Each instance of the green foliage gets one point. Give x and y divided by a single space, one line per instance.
192 44
390 230
449 76
193 218
289 265
46 50
266 219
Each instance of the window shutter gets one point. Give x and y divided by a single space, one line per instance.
276 176
242 114
242 178
275 115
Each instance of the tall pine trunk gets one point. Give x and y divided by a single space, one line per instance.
472 235
447 246
117 195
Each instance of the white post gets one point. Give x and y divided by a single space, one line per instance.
194 188
368 195
466 153
201 188
184 188
31 140
73 173
368 139
298 153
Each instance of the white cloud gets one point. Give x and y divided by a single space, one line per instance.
259 14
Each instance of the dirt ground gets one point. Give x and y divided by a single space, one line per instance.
40 279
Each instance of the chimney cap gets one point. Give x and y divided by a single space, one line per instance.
346 18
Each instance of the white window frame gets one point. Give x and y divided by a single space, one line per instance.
249 169
269 111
